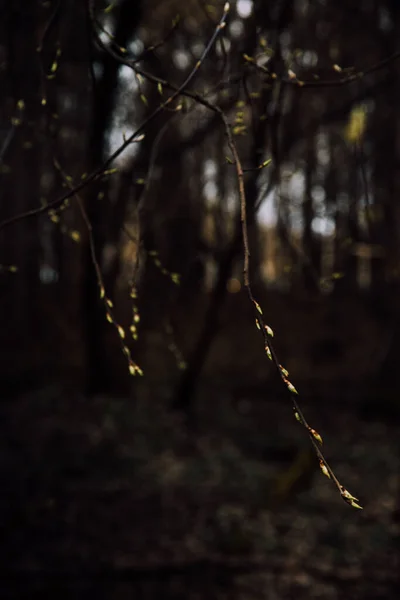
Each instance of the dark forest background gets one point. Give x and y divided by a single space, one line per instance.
148 446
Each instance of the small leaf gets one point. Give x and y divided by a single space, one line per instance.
315 435
355 504
269 331
135 369
284 371
324 469
75 235
357 124
258 307
291 387
239 130
109 8
350 499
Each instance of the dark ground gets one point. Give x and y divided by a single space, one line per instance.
112 498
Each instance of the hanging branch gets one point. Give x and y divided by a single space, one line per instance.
268 333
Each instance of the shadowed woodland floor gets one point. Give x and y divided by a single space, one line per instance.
115 498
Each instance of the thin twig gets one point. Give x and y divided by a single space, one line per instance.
134 368
321 83
267 332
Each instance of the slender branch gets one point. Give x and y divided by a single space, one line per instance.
134 368
267 332
354 75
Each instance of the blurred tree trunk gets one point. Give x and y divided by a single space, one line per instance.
100 376
385 285
311 245
20 190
